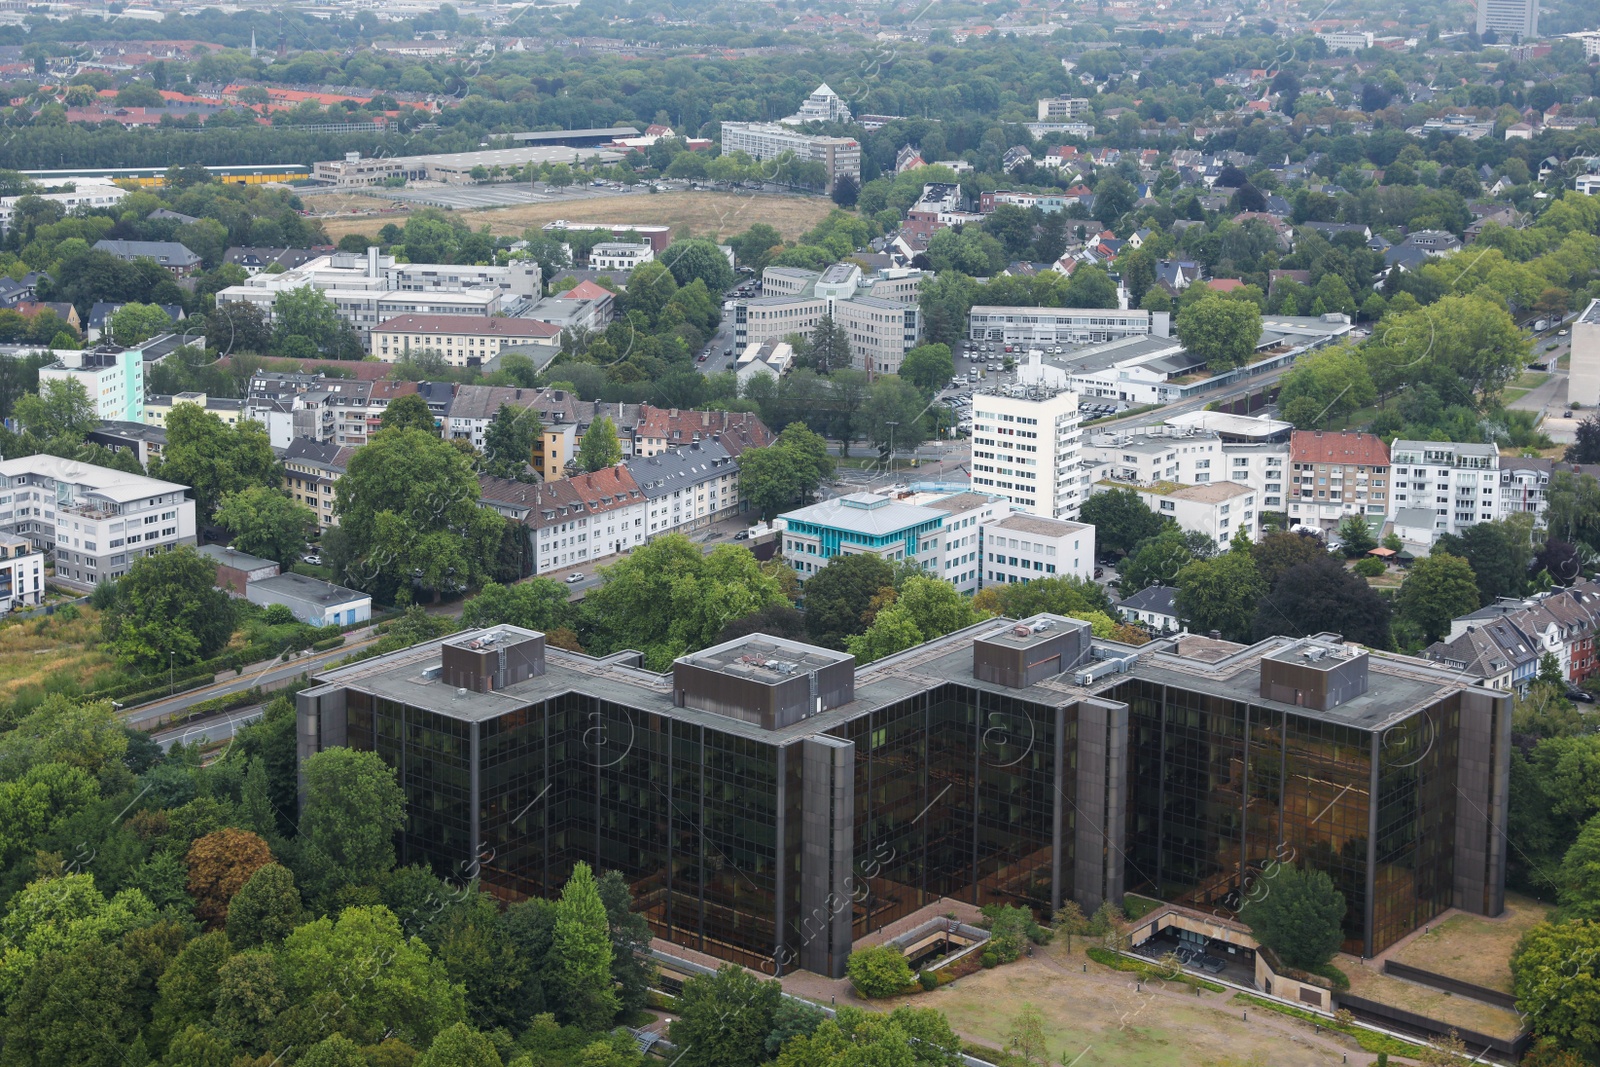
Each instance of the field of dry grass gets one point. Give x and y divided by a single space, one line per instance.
1462 1012
702 214
1103 1018
1472 948
37 651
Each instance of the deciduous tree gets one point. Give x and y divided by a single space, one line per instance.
1323 597
215 459
1437 589
220 863
1221 594
1298 914
168 612
353 807
724 1019
1120 520
266 523
1222 332
599 448
580 980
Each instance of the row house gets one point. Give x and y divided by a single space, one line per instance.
573 521
1503 643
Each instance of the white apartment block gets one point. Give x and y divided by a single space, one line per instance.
21 573
575 520
1027 449
1217 510
1458 482
1513 21
1584 385
91 193
1191 457
95 520
1345 40
462 340
620 255
1062 107
960 561
112 377
1026 548
839 156
1052 326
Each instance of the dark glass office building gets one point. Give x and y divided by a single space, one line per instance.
770 803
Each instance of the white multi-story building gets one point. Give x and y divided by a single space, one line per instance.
572 521
1217 510
1511 20
961 534
94 519
1458 482
840 156
1027 449
1584 385
1052 326
1062 107
1026 548
878 313
881 332
112 377
91 193
686 488
1345 40
620 255
1191 457
369 289
21 573
462 340
823 105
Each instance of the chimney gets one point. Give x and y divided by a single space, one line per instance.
1215 635
372 261
673 413
705 418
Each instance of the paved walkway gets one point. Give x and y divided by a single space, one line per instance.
1552 394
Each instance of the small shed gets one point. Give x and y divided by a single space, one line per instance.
315 602
236 570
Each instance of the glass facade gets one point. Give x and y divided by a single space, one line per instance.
1223 791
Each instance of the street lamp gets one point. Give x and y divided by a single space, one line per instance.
172 664
891 424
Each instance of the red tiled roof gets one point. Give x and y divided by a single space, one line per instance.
472 324
1326 446
586 290
1225 285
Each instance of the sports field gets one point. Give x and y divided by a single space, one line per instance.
702 214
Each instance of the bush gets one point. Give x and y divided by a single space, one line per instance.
989 959
1370 567
928 980
879 971
277 615
1009 926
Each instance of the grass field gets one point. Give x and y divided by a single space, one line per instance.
1462 1012
36 652
702 214
1474 949
1103 1019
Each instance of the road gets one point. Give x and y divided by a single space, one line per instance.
145 715
221 728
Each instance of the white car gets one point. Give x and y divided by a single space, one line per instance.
576 576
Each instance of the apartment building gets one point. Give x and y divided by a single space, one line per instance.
1458 482
620 255
1026 548
1058 108
1513 21
961 533
840 156
340 411
686 488
91 194
462 340
21 573
1335 474
1562 622
1217 510
94 520
171 255
311 471
1525 483
158 407
575 521
1053 326
1028 449
112 377
1192 457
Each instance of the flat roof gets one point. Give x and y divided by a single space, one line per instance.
1039 525
765 659
864 513
1029 632
240 561
309 590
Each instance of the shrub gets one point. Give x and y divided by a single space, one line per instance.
1009 927
879 971
928 980
1370 567
989 959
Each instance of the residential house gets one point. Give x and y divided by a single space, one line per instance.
168 254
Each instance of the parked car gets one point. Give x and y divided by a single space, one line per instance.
1214 964
1581 695
313 559
575 576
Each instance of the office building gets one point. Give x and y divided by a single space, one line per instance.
1345 40
1027 449
840 156
1458 482
1053 326
878 312
1216 510
862 524
881 332
94 519
1513 21
961 533
461 340
743 793
1584 385
1335 474
112 377
1026 548
620 255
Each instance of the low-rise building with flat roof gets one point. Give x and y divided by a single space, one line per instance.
314 602
1025 548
